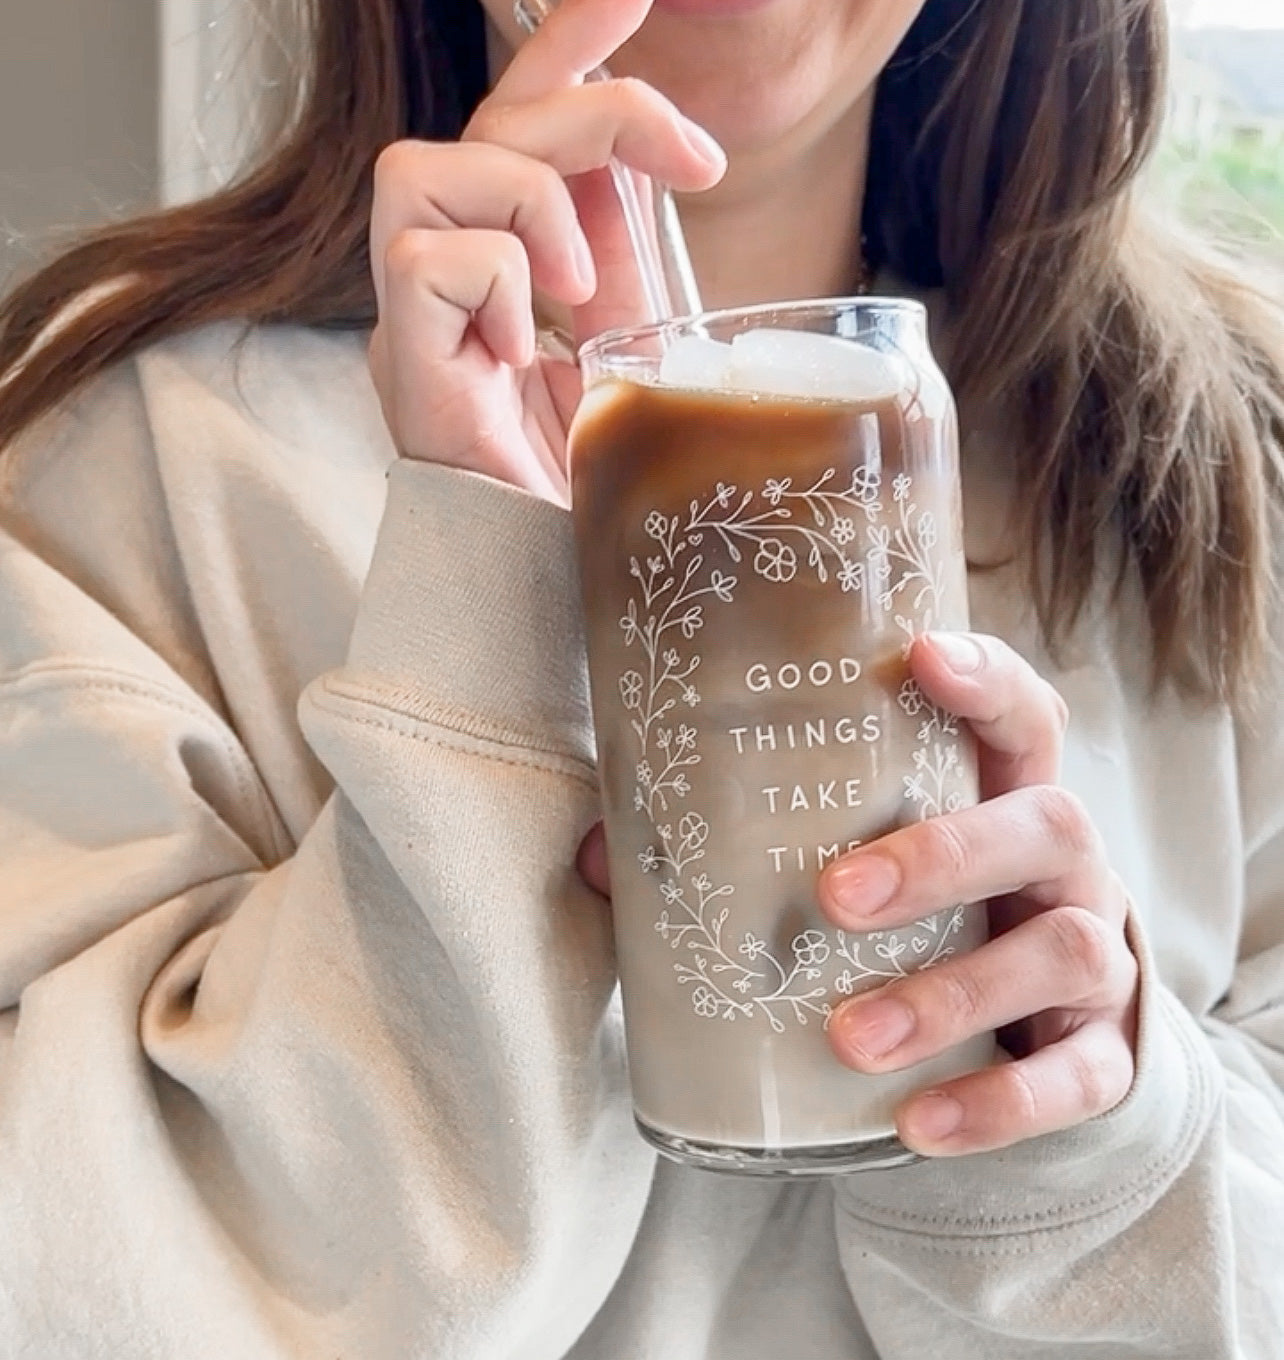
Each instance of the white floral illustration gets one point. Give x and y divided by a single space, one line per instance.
929 785
777 532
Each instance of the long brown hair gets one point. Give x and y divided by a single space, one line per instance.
1009 138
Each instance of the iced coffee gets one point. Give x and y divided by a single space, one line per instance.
767 512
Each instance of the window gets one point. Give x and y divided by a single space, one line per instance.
1223 158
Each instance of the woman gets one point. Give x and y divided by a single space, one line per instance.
307 1041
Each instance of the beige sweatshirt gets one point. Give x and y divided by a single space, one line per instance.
308 1038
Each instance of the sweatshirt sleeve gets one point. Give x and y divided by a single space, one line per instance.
363 1096
1154 1231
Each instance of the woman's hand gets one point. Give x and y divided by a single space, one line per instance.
1057 979
463 234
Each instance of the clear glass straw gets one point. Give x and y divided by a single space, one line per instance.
659 247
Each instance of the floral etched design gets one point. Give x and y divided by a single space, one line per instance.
835 531
929 787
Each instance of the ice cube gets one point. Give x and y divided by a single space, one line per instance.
696 363
786 363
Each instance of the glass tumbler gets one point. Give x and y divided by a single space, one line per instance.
767 512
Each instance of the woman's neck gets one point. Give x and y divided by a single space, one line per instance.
785 223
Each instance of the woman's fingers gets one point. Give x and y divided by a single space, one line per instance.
1018 718
442 282
1068 958
581 129
1073 1080
592 861
458 312
1038 840
575 39
446 186
509 176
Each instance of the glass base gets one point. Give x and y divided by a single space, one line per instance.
833 1159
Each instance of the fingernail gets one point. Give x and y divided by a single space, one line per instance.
875 1028
585 267
961 654
863 886
703 144
934 1117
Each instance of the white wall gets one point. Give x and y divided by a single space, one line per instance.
78 117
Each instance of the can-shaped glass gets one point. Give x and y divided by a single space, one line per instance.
767 513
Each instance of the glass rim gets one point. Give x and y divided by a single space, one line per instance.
617 336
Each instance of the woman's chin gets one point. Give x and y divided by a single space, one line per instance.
755 73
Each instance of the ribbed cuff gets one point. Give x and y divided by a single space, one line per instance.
471 612
1127 1157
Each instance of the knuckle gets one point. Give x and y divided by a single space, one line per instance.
510 255
633 97
395 163
542 182
541 193
1064 818
1023 1096
1094 1083
944 848
1082 946
966 997
406 254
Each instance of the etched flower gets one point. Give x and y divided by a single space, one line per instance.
705 1002
639 802
753 947
671 892
631 689
672 657
645 773
811 949
686 737
776 561
774 491
900 487
692 621
891 950
723 586
690 696
851 576
694 831
911 699
723 494
927 530
843 531
743 984
680 785
656 526
649 859
845 982
867 482
629 623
